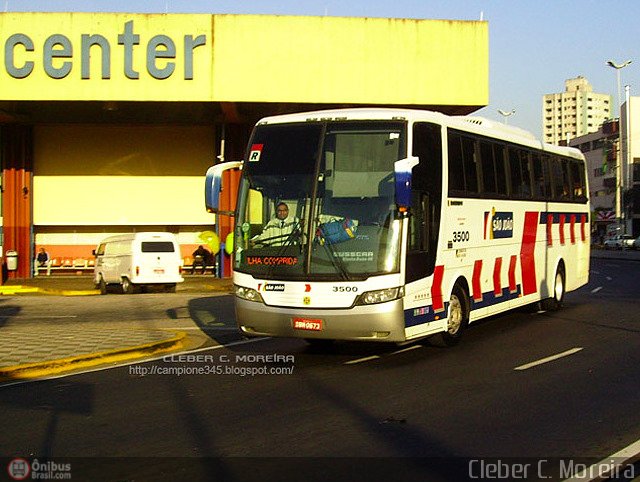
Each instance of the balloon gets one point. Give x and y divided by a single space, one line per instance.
228 243
210 239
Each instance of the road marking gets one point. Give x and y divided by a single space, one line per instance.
409 348
32 317
362 360
609 278
595 290
548 359
197 328
595 272
616 465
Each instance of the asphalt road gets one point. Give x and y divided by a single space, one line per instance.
352 410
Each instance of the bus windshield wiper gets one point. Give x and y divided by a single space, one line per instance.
337 262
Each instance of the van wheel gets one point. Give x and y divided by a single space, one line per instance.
102 286
170 288
458 319
555 302
128 288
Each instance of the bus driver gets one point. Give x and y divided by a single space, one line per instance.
278 231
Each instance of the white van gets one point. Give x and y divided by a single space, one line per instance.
137 260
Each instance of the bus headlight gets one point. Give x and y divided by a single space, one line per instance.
381 296
248 294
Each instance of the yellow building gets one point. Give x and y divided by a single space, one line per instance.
108 122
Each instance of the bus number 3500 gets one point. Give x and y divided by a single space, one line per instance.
345 289
460 236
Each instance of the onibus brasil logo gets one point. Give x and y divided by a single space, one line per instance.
21 469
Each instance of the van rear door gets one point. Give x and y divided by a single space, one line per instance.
159 261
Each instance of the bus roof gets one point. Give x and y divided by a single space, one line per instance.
473 124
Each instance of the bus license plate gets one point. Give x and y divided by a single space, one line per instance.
158 271
307 324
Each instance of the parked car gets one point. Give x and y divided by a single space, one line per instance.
619 241
636 243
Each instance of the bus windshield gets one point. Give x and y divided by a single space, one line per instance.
317 201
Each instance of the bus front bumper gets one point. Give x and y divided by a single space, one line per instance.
379 322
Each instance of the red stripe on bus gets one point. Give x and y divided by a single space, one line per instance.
477 289
512 274
572 228
583 220
562 229
436 289
497 268
549 230
527 258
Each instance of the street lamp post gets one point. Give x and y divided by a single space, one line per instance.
618 68
506 114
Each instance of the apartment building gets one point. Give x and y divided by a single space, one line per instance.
575 112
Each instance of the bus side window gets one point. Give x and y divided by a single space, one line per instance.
456 165
560 188
578 180
515 170
540 177
501 173
526 175
470 159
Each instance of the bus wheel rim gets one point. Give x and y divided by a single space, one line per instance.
559 288
455 315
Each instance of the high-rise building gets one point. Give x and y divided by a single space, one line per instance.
575 112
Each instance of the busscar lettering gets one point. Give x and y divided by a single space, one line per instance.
57 55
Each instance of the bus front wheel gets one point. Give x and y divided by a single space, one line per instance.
456 321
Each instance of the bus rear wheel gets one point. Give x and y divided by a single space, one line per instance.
559 288
457 320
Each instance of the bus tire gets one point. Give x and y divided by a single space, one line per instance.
457 320
559 289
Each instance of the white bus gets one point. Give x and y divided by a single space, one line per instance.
408 224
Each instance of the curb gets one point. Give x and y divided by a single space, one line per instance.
26 289
61 365
21 289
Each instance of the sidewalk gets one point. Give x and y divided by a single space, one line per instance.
82 285
32 351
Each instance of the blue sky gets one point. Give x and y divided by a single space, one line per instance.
533 45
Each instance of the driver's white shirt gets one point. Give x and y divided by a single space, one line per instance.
276 232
